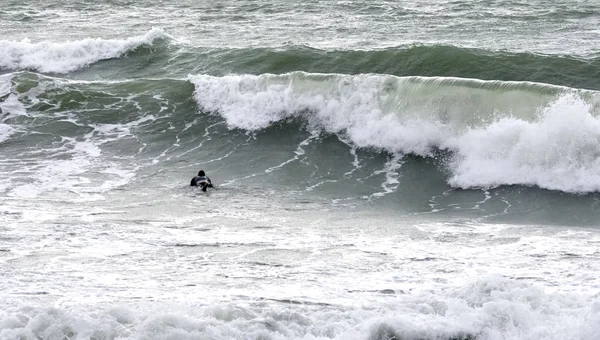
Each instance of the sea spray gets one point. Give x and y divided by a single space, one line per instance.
559 151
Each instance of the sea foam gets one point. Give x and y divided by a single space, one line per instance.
499 133
491 308
63 57
558 151
9 104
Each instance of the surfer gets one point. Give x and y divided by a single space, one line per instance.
201 181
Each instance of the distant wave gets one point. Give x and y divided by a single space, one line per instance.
412 60
65 57
499 133
179 59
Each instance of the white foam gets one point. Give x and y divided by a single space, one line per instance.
492 308
70 166
5 84
5 132
335 103
68 56
73 169
559 151
9 106
57 174
308 275
501 133
12 106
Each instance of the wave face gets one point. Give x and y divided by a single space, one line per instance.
499 133
410 60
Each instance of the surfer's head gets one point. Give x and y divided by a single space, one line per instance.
201 173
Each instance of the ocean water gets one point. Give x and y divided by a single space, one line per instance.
407 170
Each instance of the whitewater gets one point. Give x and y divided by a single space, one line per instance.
417 170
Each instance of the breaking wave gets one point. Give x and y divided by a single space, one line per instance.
63 57
498 133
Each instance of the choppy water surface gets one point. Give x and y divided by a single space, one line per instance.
383 170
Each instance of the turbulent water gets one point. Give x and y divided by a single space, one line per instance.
408 170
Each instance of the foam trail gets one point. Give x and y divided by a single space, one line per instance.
355 161
9 106
5 84
5 132
12 107
318 184
205 137
390 169
299 152
68 56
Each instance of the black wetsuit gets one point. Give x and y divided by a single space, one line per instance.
201 181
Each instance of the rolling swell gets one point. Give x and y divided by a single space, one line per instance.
415 60
157 54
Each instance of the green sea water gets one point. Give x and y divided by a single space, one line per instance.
382 169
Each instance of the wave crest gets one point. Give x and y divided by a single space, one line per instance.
68 56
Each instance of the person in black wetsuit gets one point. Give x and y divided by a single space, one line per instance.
201 181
